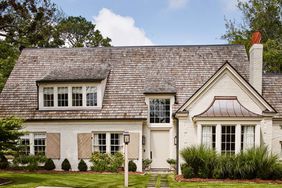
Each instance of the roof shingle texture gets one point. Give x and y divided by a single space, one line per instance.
133 71
272 91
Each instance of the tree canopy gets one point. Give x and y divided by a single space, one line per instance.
40 23
264 16
10 134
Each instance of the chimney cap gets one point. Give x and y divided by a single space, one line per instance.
256 37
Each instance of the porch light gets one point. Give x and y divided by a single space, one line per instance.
126 138
175 140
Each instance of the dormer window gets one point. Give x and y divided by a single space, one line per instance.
48 95
62 96
159 110
77 96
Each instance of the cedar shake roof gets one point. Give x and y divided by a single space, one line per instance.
133 72
272 91
78 74
227 107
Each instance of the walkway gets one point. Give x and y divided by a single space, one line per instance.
158 180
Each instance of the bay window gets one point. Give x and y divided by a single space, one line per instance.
228 138
247 137
208 136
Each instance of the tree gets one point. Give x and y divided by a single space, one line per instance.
29 23
78 32
264 16
9 134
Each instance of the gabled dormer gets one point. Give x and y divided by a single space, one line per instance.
70 88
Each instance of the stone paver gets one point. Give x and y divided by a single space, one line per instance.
154 178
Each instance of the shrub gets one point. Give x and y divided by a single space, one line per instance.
29 162
82 166
201 159
187 171
49 165
171 161
132 166
146 163
106 162
66 165
3 162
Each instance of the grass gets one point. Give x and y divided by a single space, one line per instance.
31 180
174 184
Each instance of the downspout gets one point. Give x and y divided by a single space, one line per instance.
177 146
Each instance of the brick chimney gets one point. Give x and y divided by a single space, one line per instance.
256 61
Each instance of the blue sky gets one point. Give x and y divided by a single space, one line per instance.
158 22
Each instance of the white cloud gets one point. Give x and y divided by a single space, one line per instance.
120 29
230 5
177 4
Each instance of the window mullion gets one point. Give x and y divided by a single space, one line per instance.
108 142
31 141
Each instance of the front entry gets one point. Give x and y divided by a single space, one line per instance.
159 149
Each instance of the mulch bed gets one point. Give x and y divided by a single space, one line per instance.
180 178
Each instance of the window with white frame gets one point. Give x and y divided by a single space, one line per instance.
76 96
228 139
48 96
107 142
100 142
33 143
247 137
39 143
71 96
91 96
116 142
25 145
63 96
159 110
209 136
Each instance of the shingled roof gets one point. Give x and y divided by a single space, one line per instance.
133 72
272 91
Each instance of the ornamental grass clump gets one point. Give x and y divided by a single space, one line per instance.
201 159
249 164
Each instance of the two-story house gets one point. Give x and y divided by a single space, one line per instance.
79 100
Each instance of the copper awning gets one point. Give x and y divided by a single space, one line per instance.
227 107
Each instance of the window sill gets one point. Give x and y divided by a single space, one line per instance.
160 126
70 108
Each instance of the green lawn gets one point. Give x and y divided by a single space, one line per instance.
31 180
174 184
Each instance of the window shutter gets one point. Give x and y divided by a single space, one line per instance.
53 146
133 146
84 144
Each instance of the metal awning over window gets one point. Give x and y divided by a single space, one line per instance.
227 107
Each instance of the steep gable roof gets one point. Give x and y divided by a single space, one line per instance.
133 71
228 68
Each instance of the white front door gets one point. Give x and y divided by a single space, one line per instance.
159 149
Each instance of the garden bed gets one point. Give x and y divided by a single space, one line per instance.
180 178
